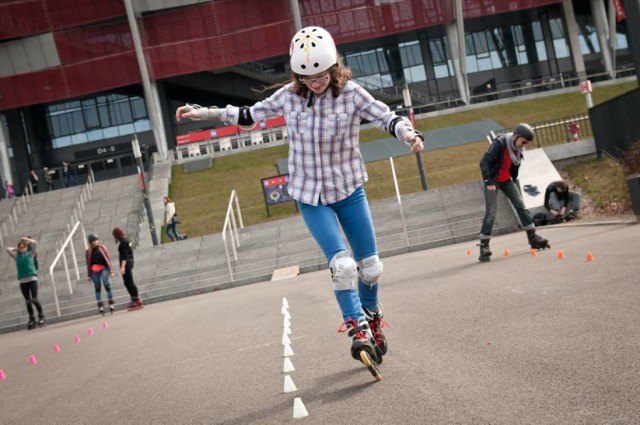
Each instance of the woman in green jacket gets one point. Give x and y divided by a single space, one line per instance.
28 278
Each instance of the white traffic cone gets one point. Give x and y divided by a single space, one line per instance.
288 366
299 411
289 386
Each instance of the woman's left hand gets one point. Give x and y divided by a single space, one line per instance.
416 142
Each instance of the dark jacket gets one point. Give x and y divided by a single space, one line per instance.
561 196
105 254
125 253
492 159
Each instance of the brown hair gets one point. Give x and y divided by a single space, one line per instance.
118 234
339 73
562 185
168 199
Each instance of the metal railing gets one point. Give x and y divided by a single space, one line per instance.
68 242
230 220
554 132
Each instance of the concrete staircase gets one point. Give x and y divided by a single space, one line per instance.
114 203
198 265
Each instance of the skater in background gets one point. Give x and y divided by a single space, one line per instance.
8 188
323 110
99 270
68 174
171 220
500 165
48 178
125 253
28 278
561 204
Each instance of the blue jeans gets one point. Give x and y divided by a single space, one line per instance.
354 216
99 279
169 228
512 193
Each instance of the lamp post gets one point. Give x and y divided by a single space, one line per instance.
145 190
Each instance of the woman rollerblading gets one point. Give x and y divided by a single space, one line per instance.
99 271
125 252
24 255
323 110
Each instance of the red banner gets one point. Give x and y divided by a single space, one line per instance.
232 130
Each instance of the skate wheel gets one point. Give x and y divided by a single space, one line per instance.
366 360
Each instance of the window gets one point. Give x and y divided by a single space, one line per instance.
102 117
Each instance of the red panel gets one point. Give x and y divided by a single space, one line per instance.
86 43
210 19
478 8
67 82
18 19
219 51
66 13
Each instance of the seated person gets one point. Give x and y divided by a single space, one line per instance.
561 204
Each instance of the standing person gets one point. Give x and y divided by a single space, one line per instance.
171 220
125 252
561 204
8 187
500 165
99 271
323 110
48 178
68 174
33 178
28 278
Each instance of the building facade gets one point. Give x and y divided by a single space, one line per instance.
79 80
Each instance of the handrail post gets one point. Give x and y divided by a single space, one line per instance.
66 270
55 291
238 210
73 257
226 251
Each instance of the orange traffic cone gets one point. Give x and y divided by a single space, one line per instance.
589 256
506 253
560 254
533 252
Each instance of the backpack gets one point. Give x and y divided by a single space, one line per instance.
540 219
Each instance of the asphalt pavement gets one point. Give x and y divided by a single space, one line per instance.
520 340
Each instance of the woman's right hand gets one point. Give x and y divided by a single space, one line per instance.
187 111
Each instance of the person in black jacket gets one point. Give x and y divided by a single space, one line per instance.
500 165
125 253
561 204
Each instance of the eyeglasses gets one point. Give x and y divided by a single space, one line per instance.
310 81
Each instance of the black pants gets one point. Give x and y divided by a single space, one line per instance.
30 293
129 283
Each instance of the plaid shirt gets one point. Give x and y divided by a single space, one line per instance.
325 164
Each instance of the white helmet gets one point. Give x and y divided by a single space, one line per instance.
312 51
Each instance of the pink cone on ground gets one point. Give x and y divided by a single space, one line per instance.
90 331
105 325
56 348
76 339
2 375
32 359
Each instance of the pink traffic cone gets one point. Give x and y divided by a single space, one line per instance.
56 348
2 375
76 339
90 331
32 359
105 325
